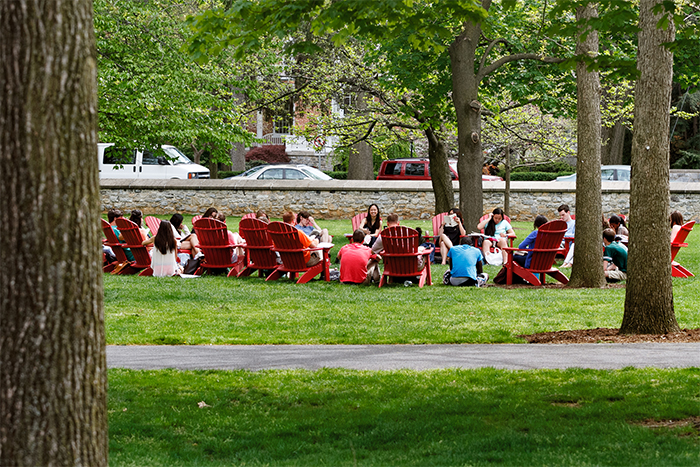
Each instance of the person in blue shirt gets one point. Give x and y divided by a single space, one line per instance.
529 243
466 268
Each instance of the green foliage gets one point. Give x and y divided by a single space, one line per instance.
445 417
150 93
557 167
688 160
268 154
532 176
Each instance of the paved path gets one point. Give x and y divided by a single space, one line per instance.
414 357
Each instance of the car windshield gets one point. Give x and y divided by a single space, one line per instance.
251 171
316 174
176 156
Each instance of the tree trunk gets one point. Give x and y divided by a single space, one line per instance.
52 348
440 173
649 293
361 159
613 144
237 155
588 265
506 192
465 95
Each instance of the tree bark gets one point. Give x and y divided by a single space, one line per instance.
52 348
361 159
440 173
237 155
506 192
588 265
613 144
649 293
465 95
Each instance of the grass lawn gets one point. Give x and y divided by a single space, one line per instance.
344 417
220 310
430 418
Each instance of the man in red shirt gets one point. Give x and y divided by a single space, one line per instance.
353 261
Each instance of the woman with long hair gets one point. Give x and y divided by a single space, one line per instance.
451 229
182 234
371 225
676 223
164 255
496 231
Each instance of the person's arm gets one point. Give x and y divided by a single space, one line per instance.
479 267
313 222
509 230
482 225
461 227
148 241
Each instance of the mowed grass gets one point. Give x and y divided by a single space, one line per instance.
220 310
430 418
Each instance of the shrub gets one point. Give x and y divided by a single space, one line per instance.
269 154
534 176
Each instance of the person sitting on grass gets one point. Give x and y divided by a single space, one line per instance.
529 243
311 258
466 265
164 255
614 258
354 258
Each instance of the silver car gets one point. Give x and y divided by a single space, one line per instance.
620 173
283 172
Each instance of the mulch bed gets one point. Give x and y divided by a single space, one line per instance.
609 335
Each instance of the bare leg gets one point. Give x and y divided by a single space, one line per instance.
486 247
502 243
445 245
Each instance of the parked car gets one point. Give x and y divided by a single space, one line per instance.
117 162
608 173
283 172
417 169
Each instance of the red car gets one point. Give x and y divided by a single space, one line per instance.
417 169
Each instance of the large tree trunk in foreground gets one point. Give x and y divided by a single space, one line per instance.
588 270
440 173
649 294
465 95
52 349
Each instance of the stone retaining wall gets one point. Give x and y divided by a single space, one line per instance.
341 199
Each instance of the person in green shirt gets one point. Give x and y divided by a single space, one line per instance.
614 258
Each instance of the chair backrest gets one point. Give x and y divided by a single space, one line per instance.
683 233
133 237
213 241
287 243
113 242
258 243
357 220
153 224
248 216
437 222
549 238
400 250
195 219
486 216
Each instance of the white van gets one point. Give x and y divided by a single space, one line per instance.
130 163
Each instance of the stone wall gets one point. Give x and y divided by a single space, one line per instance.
341 199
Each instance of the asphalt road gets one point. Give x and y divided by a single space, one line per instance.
413 357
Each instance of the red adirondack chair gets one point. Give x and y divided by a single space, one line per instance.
250 215
153 224
195 219
510 237
547 245
356 223
113 242
258 248
400 255
133 237
214 243
287 243
676 269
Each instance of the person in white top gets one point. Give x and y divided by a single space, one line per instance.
164 255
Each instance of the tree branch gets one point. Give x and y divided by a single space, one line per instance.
514 58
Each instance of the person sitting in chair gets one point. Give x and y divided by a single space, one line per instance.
311 258
614 258
529 243
466 268
496 231
308 225
354 258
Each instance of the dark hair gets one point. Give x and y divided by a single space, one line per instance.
165 240
614 219
358 236
136 217
261 214
459 214
220 216
209 212
609 235
113 214
563 207
176 221
540 220
374 226
466 240
491 226
676 218
302 215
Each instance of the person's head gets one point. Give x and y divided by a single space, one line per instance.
373 211
209 212
176 221
676 218
262 216
303 218
358 236
220 216
564 212
458 213
165 240
497 215
114 213
288 217
615 222
466 241
540 220
136 217
392 220
608 236
606 224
